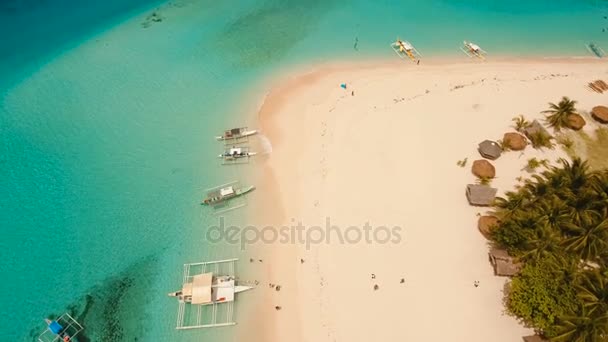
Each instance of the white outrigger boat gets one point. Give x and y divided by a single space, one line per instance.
236 134
405 49
595 50
207 296
473 50
63 329
220 196
236 154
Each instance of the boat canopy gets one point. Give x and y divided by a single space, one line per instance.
236 150
201 288
55 327
224 291
407 45
474 46
227 191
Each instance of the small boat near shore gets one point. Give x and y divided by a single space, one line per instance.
595 50
473 50
236 154
62 329
236 133
405 49
208 294
224 193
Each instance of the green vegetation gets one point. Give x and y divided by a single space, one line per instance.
503 145
484 180
567 144
556 224
534 164
558 113
520 123
541 140
595 148
462 163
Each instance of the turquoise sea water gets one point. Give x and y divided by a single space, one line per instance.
106 129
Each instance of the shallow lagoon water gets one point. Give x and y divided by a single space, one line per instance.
106 130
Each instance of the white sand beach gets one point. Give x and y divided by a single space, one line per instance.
387 156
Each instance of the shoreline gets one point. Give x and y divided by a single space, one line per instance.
326 140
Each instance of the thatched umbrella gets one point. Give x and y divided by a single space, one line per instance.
481 195
514 141
600 113
576 122
489 149
486 224
483 169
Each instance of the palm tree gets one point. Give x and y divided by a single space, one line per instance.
586 327
513 201
543 242
520 123
558 113
593 291
587 240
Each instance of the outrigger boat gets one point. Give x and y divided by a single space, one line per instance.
207 296
405 49
596 50
236 153
473 50
224 193
236 133
63 329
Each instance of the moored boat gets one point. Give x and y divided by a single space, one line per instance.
236 133
405 49
473 50
208 293
222 194
62 329
236 153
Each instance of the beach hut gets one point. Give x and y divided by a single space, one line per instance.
489 149
534 338
535 128
600 114
503 263
483 169
480 195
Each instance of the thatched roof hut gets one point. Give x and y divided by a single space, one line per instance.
535 128
503 263
483 169
489 149
576 122
535 338
481 195
600 113
514 141
486 224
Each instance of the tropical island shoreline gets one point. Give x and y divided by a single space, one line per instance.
391 144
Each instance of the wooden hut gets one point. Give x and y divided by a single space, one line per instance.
503 263
481 195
